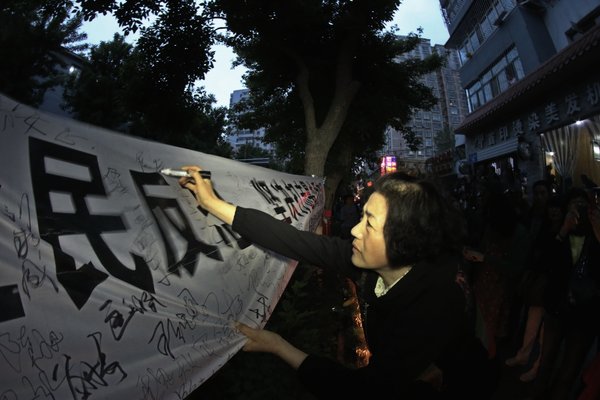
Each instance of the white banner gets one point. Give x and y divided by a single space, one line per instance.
113 284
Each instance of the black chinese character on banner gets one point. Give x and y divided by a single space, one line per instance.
173 221
78 282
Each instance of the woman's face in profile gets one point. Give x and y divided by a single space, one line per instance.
368 246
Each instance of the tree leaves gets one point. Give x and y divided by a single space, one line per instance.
32 34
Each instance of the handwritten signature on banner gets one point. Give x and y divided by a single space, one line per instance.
182 326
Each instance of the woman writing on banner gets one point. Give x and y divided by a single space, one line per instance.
404 258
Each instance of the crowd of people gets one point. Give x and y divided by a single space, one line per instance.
440 287
535 272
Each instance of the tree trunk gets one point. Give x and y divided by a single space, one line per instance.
316 153
339 163
320 138
332 182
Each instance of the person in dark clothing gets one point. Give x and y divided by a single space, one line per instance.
405 261
349 216
571 298
533 286
497 266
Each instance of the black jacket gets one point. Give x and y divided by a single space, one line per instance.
560 269
422 320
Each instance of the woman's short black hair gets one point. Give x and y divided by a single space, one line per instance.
421 224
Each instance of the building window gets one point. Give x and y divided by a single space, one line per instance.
505 72
484 28
474 39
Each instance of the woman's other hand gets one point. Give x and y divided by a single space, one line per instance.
261 340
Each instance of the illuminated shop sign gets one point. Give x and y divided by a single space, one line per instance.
388 164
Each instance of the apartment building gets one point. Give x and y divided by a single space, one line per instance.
533 88
448 113
238 137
